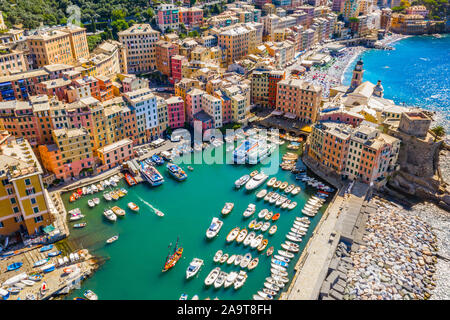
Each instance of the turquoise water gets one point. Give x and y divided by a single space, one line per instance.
133 270
415 73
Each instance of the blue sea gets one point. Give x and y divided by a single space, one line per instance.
416 73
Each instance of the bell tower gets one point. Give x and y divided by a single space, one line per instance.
358 73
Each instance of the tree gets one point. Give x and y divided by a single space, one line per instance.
192 2
438 131
119 25
118 14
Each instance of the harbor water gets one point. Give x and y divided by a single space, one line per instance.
415 73
134 262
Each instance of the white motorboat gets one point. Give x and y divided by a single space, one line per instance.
292 205
231 278
285 204
277 267
84 190
214 228
245 260
240 279
274 197
261 194
224 258
289 188
220 279
280 279
265 295
297 232
258 225
273 229
242 235
265 226
249 211
253 263
76 217
241 181
278 273
296 190
256 241
96 201
281 258
289 248
238 259
109 214
91 203
231 259
268 195
257 297
227 208
94 188
212 276
193 267
281 200
271 181
294 238
256 181
286 254
262 213
107 196
218 255
249 238
233 234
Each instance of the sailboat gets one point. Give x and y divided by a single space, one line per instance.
173 258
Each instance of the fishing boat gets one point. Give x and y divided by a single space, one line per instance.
277 184
218 255
48 268
241 181
224 258
112 239
231 278
275 217
194 267
109 214
271 182
233 234
245 260
214 228
250 210
242 235
262 245
212 276
240 279
35 277
151 175
253 264
118 211
269 215
46 248
133 206
157 159
270 251
130 179
173 258
256 181
90 295
14 266
220 280
273 229
176 172
265 226
261 194
227 208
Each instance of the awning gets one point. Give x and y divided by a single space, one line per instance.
157 142
253 119
290 115
276 113
48 229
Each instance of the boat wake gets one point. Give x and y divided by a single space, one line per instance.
158 212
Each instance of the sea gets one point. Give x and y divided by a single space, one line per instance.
133 264
416 73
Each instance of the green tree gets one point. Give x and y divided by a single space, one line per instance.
438 131
119 25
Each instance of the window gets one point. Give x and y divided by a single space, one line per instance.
27 182
38 219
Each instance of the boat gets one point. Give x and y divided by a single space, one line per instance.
90 295
262 245
233 234
292 205
275 217
227 208
218 255
35 277
40 262
253 264
268 196
118 211
274 197
242 235
133 206
195 297
43 288
54 253
261 194
265 296
91 203
231 278
258 225
250 210
257 297
271 182
285 204
176 172
286 254
220 279
79 298
76 217
241 181
256 181
269 215
240 279
269 251
94 188
245 260
281 200
157 159
183 296
271 286
289 188
13 290
151 175
173 258
273 229
256 241
253 173
249 238
109 214
14 266
263 213
284 185
46 248
194 267
231 259
271 292
114 195
48 268
107 196
277 272
265 226
80 225
214 228
281 258
130 179
212 276
294 238
277 184
112 239
296 190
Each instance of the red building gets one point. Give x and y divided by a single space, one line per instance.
274 78
177 63
175 110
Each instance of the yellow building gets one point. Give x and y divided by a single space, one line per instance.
24 204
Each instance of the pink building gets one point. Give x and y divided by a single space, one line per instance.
175 110
193 103
115 153
177 63
168 17
352 118
227 110
417 10
191 16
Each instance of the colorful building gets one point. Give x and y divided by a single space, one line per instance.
167 17
115 153
176 113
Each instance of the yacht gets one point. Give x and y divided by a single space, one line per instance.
214 228
256 181
194 267
241 181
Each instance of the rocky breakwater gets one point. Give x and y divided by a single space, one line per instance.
397 260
